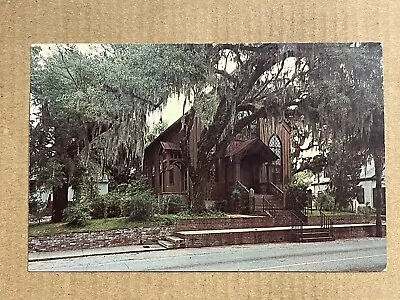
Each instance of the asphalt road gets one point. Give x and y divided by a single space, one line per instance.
366 254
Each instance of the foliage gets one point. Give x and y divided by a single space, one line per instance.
106 206
302 179
174 203
78 214
137 201
366 210
297 192
82 106
219 206
343 169
325 201
155 130
38 207
139 207
240 199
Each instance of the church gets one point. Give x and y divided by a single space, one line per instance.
258 159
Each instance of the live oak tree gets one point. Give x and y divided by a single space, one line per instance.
245 82
346 104
91 110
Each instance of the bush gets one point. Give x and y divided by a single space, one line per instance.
138 206
240 199
298 194
106 206
219 206
325 201
366 210
174 203
78 214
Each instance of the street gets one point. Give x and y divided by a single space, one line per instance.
365 254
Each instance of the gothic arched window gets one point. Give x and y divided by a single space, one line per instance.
275 145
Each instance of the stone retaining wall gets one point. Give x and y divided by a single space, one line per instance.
97 239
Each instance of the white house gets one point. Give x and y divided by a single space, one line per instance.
368 184
46 195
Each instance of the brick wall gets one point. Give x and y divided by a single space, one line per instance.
349 219
236 238
256 237
232 223
356 232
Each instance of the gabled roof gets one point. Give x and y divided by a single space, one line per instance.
170 146
175 126
253 146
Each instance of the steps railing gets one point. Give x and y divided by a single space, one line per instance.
247 192
300 210
268 207
276 191
242 185
297 227
327 224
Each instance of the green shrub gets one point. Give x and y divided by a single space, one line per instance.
366 210
325 201
78 214
106 206
138 206
240 199
219 206
174 203
37 208
298 194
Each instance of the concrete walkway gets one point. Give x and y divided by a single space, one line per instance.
211 231
42 256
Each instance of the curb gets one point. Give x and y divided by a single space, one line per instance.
94 254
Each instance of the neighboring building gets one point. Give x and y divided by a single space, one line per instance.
258 158
367 193
46 195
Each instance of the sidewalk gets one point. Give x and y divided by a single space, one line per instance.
275 228
43 256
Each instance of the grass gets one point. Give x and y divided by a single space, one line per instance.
331 213
113 223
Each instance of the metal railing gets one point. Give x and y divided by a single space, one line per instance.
327 224
297 227
242 185
268 207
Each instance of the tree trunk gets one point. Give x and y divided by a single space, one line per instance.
60 202
198 198
378 196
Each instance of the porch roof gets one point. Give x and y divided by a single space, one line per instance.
170 146
252 147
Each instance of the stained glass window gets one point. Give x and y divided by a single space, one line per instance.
276 146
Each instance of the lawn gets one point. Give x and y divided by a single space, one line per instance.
331 213
112 223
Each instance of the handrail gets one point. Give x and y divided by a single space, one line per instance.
276 188
300 210
269 209
297 226
243 186
327 223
